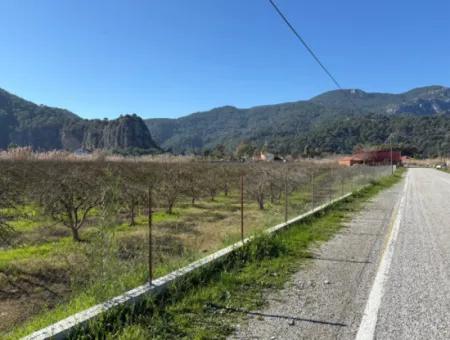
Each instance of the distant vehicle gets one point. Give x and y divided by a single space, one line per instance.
441 166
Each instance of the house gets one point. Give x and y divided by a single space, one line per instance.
268 157
349 161
81 152
373 157
264 156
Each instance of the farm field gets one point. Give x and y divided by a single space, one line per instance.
75 233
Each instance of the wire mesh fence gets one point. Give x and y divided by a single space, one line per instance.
77 233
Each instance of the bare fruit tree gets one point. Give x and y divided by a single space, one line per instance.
258 184
132 191
212 182
192 179
69 192
170 185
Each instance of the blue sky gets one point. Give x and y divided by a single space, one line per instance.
168 58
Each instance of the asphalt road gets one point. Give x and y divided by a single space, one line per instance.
385 276
416 299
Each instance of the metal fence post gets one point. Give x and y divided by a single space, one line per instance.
242 207
312 189
150 240
352 180
330 195
360 175
286 196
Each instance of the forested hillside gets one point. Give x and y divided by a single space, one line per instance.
24 123
336 121
333 122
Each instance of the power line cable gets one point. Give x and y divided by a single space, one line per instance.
309 49
316 58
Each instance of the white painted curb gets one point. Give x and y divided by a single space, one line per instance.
63 328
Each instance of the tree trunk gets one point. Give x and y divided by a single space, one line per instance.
132 216
75 235
169 208
261 203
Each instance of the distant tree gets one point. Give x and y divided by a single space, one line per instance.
219 151
207 152
245 150
358 148
306 151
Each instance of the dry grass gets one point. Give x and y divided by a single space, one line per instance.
27 154
191 232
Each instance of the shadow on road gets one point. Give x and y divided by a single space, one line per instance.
285 317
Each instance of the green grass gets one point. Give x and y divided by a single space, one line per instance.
44 249
27 210
157 217
208 304
33 251
81 301
24 224
24 217
95 294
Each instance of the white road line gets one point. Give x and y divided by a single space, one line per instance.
368 324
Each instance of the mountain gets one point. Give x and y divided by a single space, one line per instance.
334 121
228 125
421 101
24 123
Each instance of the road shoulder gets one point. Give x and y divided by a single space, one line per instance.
327 298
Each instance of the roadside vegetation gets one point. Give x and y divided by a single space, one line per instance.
75 233
211 304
